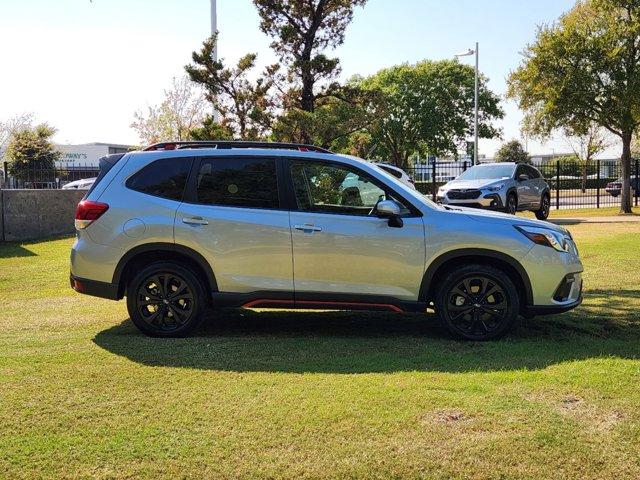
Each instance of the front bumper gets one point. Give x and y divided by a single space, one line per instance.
487 200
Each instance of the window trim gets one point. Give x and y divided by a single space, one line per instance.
414 212
191 191
177 159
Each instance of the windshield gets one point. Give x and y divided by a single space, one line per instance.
497 171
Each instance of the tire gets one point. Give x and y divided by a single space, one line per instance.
477 302
512 204
545 205
175 314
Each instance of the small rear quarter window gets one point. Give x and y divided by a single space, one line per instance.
164 178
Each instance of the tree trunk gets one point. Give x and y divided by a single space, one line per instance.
625 197
585 174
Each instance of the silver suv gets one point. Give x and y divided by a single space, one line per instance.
508 187
182 227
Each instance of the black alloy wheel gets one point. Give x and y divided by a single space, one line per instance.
512 204
165 300
545 205
478 302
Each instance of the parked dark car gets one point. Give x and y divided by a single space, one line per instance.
614 188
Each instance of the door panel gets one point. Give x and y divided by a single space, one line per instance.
357 255
235 218
340 246
248 249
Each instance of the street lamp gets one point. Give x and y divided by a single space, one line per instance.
475 119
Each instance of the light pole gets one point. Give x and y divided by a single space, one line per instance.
475 101
214 31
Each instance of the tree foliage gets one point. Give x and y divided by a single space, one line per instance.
586 143
426 108
182 109
31 149
301 32
585 68
245 106
513 151
12 125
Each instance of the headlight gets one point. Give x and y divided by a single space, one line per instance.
546 237
495 188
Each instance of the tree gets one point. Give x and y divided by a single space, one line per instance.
30 149
337 116
586 144
12 125
570 166
182 109
211 130
512 151
302 30
427 108
245 106
585 68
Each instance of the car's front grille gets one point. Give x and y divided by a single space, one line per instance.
463 194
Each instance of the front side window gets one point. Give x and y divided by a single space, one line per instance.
330 188
238 182
164 178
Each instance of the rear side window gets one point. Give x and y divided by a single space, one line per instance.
105 164
238 182
164 178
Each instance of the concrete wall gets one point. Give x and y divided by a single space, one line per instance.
34 214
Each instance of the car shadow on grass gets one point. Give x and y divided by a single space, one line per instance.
608 325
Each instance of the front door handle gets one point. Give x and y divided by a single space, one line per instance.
307 228
195 221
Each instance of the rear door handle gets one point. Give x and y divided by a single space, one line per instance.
307 228
195 221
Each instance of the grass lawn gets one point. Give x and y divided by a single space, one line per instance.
293 394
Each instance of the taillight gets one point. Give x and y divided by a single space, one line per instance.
87 212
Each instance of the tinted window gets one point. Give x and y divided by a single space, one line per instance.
330 188
163 178
532 172
238 182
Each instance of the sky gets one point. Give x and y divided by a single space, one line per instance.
86 66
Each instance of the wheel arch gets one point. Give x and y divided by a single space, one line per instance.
443 264
160 251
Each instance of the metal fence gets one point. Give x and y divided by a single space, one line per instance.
46 178
571 186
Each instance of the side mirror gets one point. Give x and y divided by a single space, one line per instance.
391 210
523 177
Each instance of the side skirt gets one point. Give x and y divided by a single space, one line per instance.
315 301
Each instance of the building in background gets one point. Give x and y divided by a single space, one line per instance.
86 155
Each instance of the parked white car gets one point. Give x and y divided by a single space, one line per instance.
84 184
398 173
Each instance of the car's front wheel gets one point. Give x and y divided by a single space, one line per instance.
512 204
165 300
545 205
477 302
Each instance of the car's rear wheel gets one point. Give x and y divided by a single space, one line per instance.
512 204
165 300
545 205
477 302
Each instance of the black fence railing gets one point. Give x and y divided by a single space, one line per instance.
572 185
46 178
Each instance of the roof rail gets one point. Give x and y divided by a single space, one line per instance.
225 144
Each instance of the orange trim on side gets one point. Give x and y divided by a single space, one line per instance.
266 302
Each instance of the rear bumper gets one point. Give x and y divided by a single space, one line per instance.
94 288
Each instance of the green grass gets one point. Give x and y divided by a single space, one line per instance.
293 394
